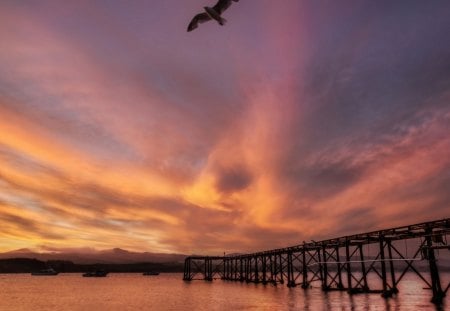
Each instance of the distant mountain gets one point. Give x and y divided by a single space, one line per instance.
111 256
19 251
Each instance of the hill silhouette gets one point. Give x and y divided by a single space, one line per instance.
28 265
92 256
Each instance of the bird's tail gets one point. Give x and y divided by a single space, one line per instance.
222 21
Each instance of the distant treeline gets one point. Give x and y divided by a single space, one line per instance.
26 265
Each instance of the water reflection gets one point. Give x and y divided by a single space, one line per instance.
306 299
392 304
168 292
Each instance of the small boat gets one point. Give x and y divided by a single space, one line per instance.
49 271
150 273
95 274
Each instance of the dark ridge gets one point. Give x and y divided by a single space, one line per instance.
27 265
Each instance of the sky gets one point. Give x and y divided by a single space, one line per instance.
297 120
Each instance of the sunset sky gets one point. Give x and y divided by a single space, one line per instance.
297 120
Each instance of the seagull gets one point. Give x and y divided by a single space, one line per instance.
211 13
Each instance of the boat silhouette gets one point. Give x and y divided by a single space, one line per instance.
150 273
48 271
97 273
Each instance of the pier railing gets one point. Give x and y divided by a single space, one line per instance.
343 263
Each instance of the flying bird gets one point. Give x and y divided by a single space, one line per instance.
211 13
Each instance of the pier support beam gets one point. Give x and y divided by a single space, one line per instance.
325 285
394 288
365 286
187 270
305 283
385 293
438 293
340 285
290 270
348 267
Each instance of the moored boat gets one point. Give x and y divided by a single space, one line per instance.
97 273
49 271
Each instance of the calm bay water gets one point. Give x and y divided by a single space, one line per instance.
169 292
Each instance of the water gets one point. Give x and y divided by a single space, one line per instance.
169 292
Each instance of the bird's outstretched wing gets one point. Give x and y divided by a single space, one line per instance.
222 5
198 19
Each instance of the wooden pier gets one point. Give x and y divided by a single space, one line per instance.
343 263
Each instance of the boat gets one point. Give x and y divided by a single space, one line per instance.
49 271
95 274
150 273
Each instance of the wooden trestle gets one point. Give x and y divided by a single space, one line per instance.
342 263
